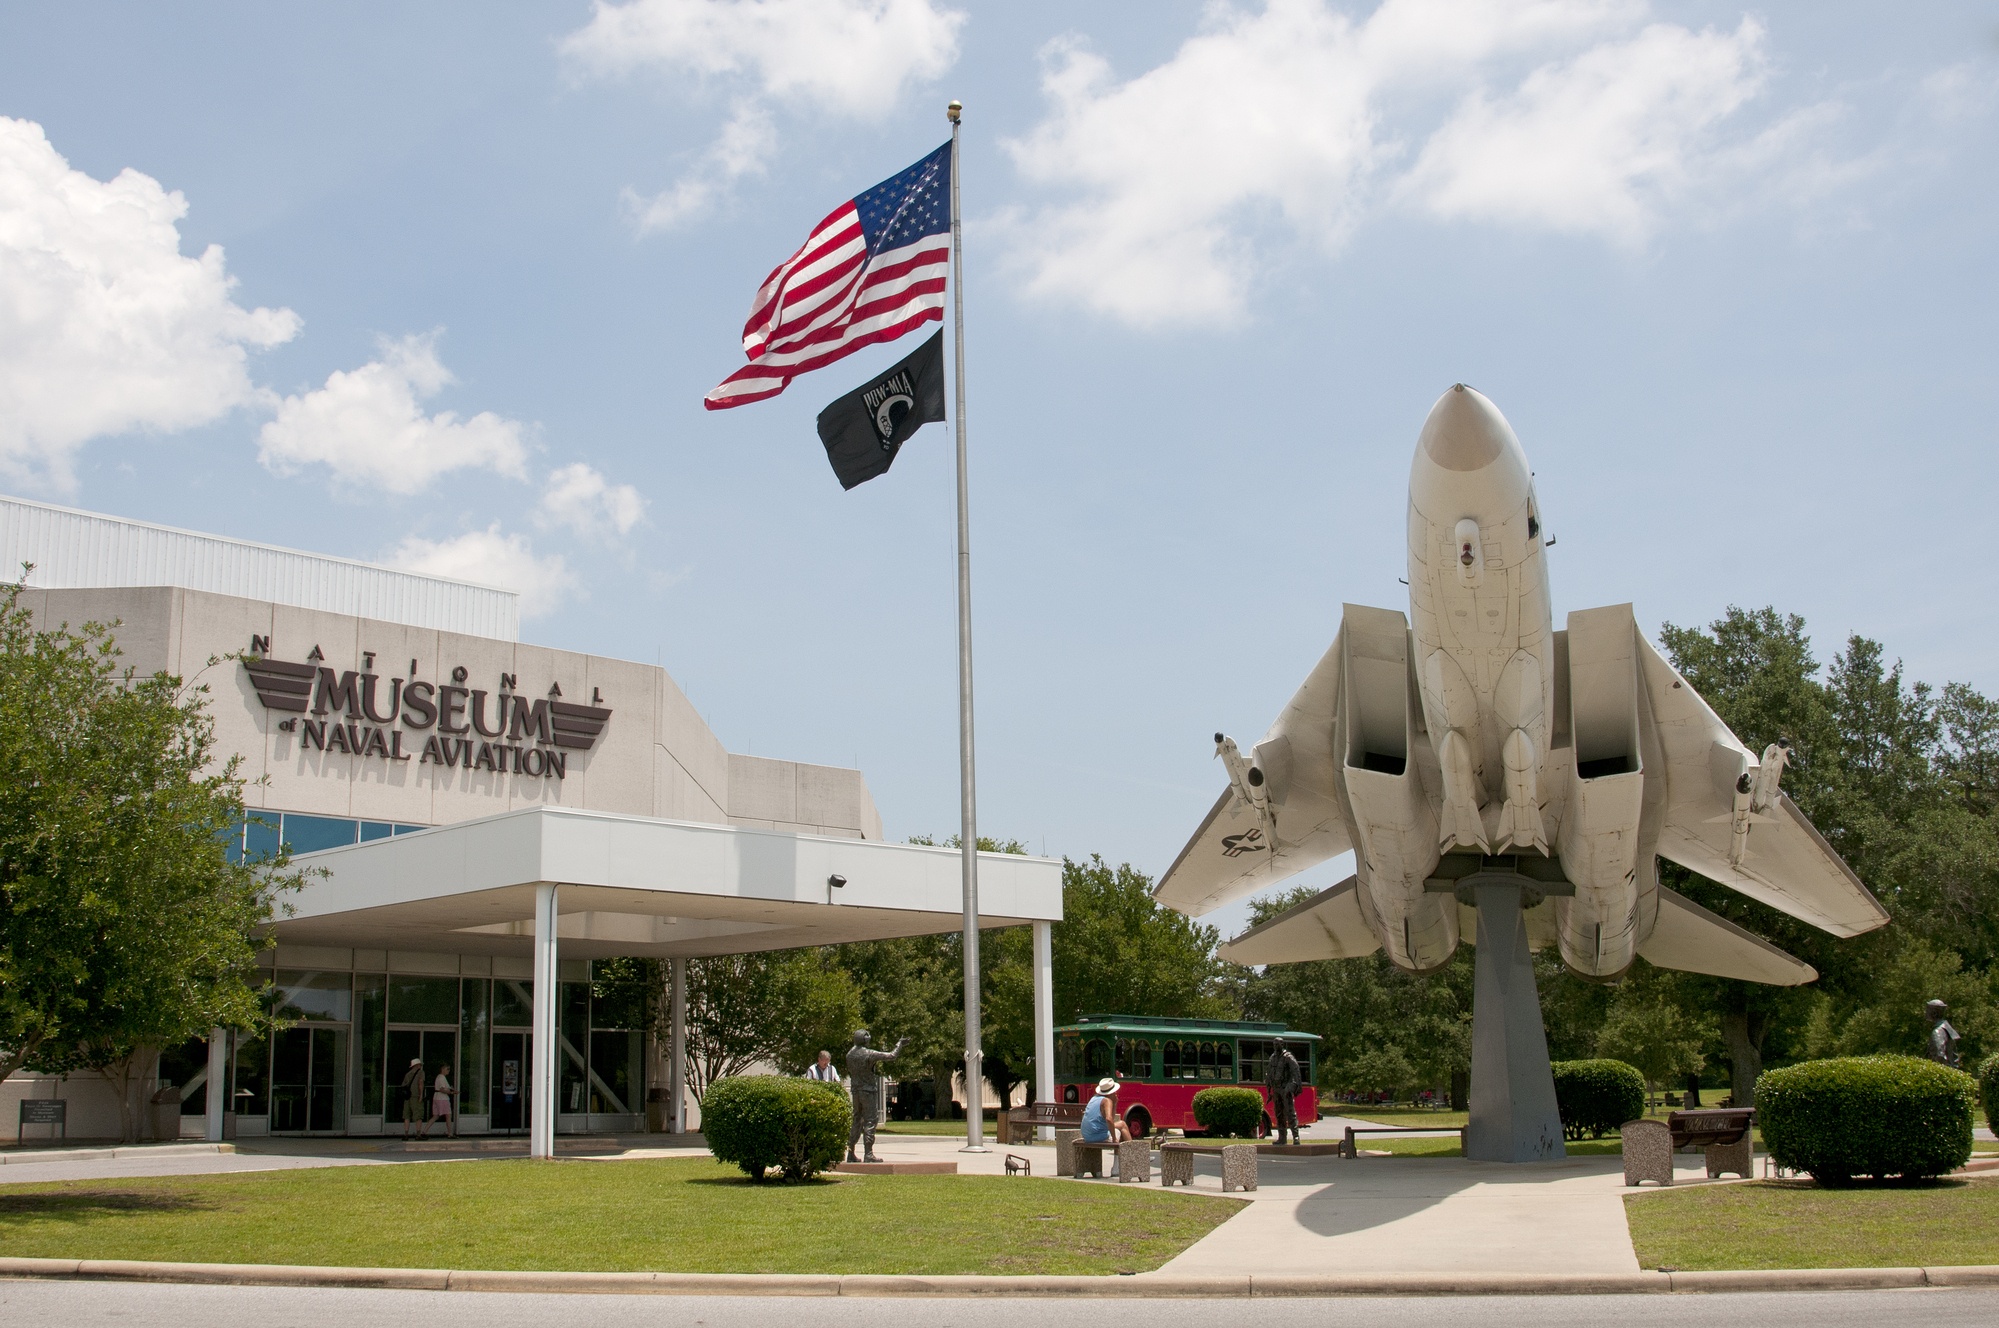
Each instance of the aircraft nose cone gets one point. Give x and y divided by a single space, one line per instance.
1465 431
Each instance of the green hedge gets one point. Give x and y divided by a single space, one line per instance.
766 1122
1229 1111
1988 1088
1867 1116
1597 1097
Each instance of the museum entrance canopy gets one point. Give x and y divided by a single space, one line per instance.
631 885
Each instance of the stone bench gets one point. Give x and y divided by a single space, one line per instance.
1176 1164
1238 1167
1134 1160
1065 1151
1723 1134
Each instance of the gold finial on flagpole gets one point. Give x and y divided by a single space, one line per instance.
954 110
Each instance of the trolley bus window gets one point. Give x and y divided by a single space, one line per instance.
1069 1058
1207 1060
1169 1058
1254 1050
1141 1056
1124 1058
1096 1058
1225 1061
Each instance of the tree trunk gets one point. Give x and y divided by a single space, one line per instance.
1743 1031
1460 1090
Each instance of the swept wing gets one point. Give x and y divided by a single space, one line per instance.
1783 862
1238 848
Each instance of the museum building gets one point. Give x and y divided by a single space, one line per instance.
488 819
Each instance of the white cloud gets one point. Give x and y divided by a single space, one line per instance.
105 326
848 58
492 559
368 428
580 498
1596 144
1297 123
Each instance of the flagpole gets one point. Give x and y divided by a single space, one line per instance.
968 835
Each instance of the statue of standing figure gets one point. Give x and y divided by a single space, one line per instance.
864 1082
1284 1080
1942 1046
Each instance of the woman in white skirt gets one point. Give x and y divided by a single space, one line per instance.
441 1093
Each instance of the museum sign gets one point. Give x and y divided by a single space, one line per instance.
501 729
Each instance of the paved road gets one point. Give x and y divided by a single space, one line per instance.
87 1304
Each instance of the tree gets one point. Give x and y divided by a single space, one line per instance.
1118 951
1646 1028
773 1007
126 924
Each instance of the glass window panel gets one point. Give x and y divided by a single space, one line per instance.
232 841
1207 1060
410 829
260 836
1141 1058
423 1001
616 1070
573 1016
1225 1060
309 834
251 1096
1169 1059
513 1003
376 830
370 1007
1068 1057
472 1040
305 994
1096 1058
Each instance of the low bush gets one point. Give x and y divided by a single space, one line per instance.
1988 1088
1596 1097
1233 1112
1867 1116
765 1122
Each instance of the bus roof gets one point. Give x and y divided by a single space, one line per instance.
1146 1023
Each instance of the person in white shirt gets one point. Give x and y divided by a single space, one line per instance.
824 1071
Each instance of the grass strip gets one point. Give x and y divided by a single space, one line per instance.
668 1215
1797 1224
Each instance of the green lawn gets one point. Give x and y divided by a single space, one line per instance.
677 1215
1415 1117
1795 1224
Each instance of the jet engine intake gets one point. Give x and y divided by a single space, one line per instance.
1597 929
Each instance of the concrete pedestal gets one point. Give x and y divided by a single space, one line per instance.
1513 1113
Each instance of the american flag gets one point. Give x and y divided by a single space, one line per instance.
869 272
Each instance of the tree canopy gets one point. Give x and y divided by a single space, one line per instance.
125 921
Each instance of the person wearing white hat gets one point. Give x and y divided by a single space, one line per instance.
412 1087
1101 1122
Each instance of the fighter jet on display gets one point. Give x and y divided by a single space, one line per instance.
1483 746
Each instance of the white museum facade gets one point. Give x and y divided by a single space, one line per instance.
488 819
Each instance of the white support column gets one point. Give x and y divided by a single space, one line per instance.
676 1047
218 1082
1044 1017
541 1074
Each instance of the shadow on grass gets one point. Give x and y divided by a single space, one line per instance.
1865 1183
76 1207
768 1183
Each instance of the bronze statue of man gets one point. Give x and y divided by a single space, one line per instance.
1942 1046
1284 1080
864 1082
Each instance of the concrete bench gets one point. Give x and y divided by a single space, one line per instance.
1065 1151
1176 1164
1134 1160
1722 1133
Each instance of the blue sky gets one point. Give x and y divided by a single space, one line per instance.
1729 272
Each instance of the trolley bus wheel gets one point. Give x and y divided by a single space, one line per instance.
1140 1122
1263 1127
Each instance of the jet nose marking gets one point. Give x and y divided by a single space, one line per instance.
1464 432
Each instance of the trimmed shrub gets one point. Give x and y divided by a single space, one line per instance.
1235 1112
1867 1116
766 1122
1988 1088
1597 1097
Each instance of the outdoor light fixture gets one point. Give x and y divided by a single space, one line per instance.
834 882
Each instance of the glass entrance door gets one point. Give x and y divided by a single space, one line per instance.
437 1048
308 1080
510 1080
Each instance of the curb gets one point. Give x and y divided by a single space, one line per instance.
42 1155
1142 1285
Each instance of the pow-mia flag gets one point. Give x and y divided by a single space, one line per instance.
864 429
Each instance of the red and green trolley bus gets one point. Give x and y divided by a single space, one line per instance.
1162 1063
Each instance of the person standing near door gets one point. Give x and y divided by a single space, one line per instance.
412 1090
441 1093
